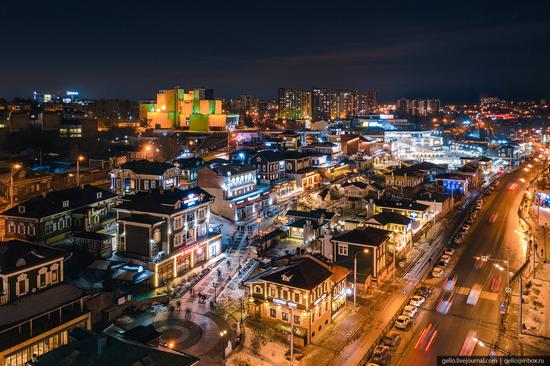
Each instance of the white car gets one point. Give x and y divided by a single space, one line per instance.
402 322
437 272
446 258
417 300
410 311
466 227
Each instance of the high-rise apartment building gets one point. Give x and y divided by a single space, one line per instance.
433 106
366 102
417 107
294 104
321 101
323 104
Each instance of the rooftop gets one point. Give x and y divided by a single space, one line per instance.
233 169
147 167
53 202
315 214
305 273
370 236
16 255
164 202
401 204
268 155
106 350
385 218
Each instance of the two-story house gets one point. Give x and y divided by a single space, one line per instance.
399 225
189 171
328 148
368 247
167 232
144 175
272 170
298 166
239 198
419 213
404 182
53 216
37 310
304 295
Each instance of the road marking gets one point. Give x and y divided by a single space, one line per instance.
487 295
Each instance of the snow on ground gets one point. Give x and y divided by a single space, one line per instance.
536 299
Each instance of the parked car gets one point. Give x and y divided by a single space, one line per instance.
392 339
417 300
424 291
410 311
402 322
446 258
437 272
449 251
380 354
441 264
466 227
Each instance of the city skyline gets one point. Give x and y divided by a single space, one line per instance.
406 51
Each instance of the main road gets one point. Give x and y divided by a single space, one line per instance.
438 331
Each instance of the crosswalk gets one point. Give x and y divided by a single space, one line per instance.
486 295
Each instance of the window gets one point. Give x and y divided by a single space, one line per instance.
258 289
21 229
285 294
285 316
297 297
153 184
54 276
65 204
342 249
11 228
296 319
42 280
273 313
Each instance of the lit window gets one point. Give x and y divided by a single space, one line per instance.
343 249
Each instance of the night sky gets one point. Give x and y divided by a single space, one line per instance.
118 49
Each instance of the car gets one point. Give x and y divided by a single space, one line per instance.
372 364
392 339
441 264
473 296
402 322
410 311
437 272
445 303
466 227
417 300
380 354
493 218
450 283
449 251
446 258
424 291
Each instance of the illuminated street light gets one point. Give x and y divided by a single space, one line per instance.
13 169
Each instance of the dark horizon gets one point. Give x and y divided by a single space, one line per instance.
129 51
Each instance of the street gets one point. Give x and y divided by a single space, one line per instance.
449 332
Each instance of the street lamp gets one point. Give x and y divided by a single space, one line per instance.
78 160
14 167
223 333
355 276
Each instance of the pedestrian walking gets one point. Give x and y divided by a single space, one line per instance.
178 305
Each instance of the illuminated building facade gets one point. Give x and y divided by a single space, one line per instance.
167 232
193 110
303 295
238 196
144 175
294 104
37 310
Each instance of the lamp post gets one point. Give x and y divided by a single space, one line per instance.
223 334
78 160
355 276
13 169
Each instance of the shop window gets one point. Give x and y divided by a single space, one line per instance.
273 313
297 319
